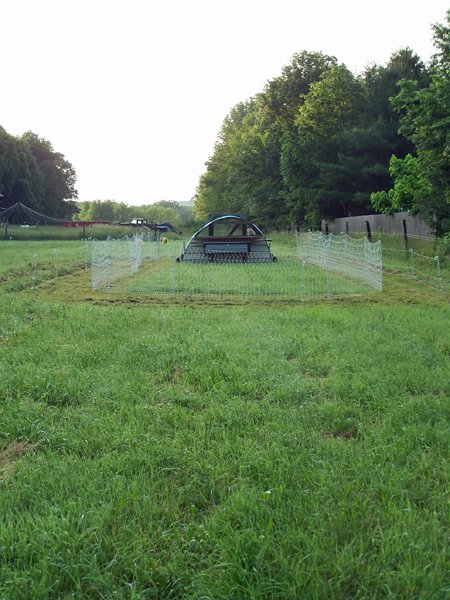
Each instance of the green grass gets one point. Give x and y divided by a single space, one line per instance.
283 278
201 451
53 232
24 265
287 278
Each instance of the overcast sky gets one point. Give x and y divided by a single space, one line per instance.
134 92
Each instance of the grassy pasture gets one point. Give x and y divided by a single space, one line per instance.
208 451
62 269
282 279
55 233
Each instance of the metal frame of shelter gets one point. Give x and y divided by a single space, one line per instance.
228 238
19 214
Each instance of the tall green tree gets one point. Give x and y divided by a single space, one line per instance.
284 94
422 178
333 106
33 173
98 210
244 173
58 177
20 177
316 142
346 134
214 194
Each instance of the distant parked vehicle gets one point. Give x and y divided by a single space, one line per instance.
136 223
156 227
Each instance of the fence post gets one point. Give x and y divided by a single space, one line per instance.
86 252
55 255
438 270
302 282
411 253
174 268
327 270
369 233
109 270
405 234
35 259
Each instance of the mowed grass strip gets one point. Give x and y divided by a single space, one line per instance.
241 452
26 265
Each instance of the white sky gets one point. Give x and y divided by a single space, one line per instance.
134 92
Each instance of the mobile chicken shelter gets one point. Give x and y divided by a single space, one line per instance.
228 238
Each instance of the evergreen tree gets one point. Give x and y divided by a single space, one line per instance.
422 177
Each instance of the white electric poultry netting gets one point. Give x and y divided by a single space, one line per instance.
356 258
322 266
114 259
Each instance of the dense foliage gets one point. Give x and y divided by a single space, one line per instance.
319 141
178 214
33 173
422 179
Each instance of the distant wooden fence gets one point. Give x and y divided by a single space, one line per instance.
396 224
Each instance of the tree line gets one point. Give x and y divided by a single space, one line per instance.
321 142
33 173
317 142
164 211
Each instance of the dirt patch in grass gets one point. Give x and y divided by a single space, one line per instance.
11 453
346 434
175 375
